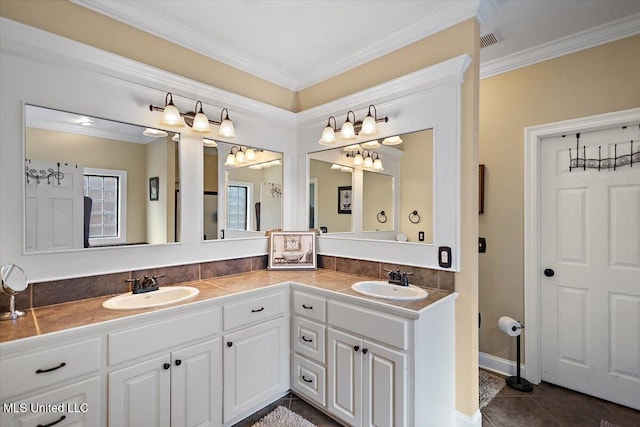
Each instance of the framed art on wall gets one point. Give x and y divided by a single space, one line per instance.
154 184
344 200
292 250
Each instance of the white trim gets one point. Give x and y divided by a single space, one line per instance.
445 16
602 34
29 42
532 268
499 365
463 420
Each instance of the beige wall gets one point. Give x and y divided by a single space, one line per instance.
377 195
156 166
416 189
75 22
210 172
104 154
598 80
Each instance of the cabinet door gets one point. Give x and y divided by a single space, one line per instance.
344 364
196 385
139 396
383 386
256 366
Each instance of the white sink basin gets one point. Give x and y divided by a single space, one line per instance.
385 290
163 296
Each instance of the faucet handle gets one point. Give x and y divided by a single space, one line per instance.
136 283
158 276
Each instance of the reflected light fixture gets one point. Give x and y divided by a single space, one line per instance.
198 120
371 144
392 140
209 142
154 133
366 158
240 154
352 129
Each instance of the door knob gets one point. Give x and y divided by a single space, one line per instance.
549 272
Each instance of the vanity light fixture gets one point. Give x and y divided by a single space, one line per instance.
240 154
366 158
197 120
209 142
371 144
352 128
266 165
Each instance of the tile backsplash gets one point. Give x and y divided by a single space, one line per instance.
59 291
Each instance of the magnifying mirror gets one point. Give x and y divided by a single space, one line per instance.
14 280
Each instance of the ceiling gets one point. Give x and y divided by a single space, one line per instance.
300 43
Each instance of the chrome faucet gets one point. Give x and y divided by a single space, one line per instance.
148 284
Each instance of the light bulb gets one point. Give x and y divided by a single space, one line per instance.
240 156
369 126
368 162
347 132
357 160
377 164
171 116
201 123
251 154
226 129
371 144
328 136
231 159
392 140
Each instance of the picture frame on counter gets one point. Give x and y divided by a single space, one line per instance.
292 250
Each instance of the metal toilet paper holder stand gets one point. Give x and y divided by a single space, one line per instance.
518 382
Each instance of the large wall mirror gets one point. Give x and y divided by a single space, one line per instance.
242 190
390 186
91 182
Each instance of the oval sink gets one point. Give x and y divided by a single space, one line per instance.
385 290
163 296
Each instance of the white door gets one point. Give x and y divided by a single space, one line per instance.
256 366
590 238
139 396
344 366
196 385
383 386
54 208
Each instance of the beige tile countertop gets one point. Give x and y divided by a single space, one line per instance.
53 318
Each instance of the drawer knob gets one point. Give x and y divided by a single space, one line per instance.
42 371
178 362
365 351
306 380
257 310
61 419
305 339
229 344
166 365
356 347
307 307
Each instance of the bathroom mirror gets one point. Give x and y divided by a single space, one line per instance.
399 185
331 185
242 190
91 182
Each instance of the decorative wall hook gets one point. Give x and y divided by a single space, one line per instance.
382 217
414 217
42 174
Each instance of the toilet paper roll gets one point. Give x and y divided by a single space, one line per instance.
509 326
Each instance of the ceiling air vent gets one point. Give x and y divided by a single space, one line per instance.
489 38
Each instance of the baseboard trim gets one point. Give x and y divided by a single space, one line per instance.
499 365
463 420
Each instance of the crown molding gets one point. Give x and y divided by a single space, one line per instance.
449 71
39 45
602 34
445 16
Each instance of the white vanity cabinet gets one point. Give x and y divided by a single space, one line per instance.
171 374
55 384
255 353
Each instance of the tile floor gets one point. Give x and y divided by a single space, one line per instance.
547 405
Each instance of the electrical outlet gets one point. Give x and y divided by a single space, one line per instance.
421 236
444 256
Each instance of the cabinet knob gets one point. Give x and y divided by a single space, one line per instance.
166 365
356 347
178 362
549 272
229 344
365 351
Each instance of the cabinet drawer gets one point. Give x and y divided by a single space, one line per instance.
310 306
160 336
254 310
37 370
382 327
309 379
309 339
78 403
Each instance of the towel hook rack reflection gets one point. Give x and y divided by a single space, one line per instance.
414 217
382 217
